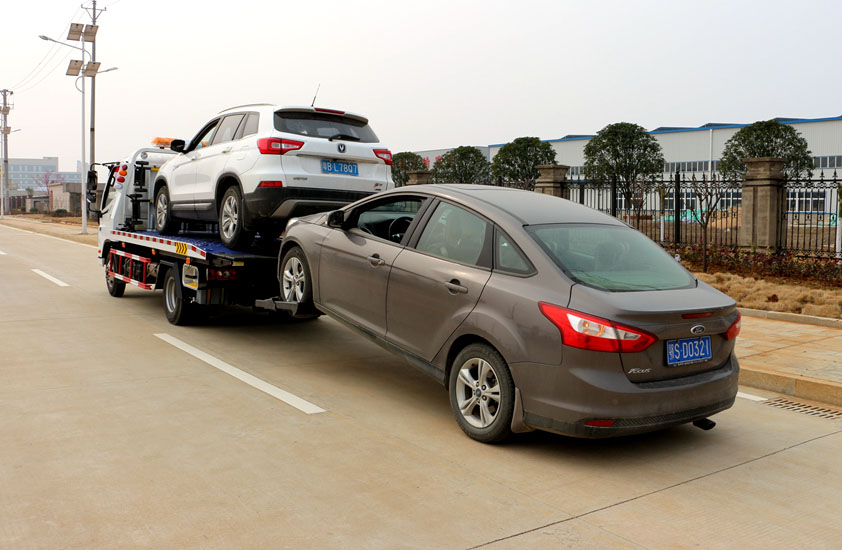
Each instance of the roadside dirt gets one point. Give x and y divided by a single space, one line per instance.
64 228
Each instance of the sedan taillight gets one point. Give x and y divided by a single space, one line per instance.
734 330
385 155
278 146
580 330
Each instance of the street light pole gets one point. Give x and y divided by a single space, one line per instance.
4 185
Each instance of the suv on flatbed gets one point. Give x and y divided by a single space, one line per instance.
253 167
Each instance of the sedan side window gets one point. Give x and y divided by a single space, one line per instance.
227 129
455 234
388 219
508 257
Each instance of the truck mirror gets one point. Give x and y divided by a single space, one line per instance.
177 145
336 219
92 181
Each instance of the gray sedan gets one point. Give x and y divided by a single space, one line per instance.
533 311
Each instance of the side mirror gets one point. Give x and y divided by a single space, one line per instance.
178 145
92 181
336 219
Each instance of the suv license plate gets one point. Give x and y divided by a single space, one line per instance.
340 167
688 350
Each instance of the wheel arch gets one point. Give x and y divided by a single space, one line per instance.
460 343
223 183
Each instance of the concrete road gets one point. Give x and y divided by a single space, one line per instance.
115 437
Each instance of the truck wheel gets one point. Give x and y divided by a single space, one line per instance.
178 309
296 284
231 212
115 288
164 223
482 393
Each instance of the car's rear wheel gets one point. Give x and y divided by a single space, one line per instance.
231 211
164 223
482 393
296 284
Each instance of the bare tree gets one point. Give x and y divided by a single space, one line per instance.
708 193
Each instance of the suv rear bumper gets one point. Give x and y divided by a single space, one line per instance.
276 205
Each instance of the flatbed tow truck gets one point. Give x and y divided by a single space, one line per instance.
193 268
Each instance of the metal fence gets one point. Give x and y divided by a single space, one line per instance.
810 217
809 221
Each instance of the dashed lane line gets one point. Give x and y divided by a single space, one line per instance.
50 278
253 381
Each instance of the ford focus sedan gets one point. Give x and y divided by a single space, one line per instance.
533 311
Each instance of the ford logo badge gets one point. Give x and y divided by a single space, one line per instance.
697 329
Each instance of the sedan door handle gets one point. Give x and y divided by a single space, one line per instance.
454 287
375 260
227 150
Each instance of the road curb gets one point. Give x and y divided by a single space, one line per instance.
792 317
805 387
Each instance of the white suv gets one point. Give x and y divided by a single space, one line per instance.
254 167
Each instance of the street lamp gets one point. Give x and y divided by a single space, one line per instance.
90 69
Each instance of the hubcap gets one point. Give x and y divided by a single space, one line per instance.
230 216
478 392
170 293
161 210
293 280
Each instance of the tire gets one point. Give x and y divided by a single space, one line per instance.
164 223
296 284
179 311
231 211
115 288
486 417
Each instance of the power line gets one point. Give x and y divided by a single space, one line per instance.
33 74
47 74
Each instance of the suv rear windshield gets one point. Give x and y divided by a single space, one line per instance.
322 125
610 257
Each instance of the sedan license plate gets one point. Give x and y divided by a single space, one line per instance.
688 350
340 167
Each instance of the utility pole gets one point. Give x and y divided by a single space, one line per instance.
4 186
94 12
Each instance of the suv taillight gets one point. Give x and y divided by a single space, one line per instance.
278 146
580 330
385 155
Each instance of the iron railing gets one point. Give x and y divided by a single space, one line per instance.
810 216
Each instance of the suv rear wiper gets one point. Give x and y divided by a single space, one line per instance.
345 137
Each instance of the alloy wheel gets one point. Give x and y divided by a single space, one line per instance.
230 216
161 210
478 392
293 280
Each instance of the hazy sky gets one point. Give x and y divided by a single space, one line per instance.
428 74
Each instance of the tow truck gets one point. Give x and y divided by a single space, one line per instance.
193 268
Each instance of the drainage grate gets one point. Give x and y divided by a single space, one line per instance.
795 406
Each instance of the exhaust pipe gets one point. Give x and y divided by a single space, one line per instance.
704 424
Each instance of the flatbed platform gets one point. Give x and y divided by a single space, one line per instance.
199 246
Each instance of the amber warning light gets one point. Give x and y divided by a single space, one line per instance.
162 142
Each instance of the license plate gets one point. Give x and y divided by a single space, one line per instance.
340 167
688 350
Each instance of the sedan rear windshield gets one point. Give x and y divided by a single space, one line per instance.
610 257
322 125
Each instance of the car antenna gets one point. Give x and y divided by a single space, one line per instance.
317 93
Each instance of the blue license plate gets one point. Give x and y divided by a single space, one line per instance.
340 167
688 350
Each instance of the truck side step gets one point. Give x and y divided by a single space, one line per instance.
276 304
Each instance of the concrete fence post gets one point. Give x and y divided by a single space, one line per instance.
763 201
419 177
552 180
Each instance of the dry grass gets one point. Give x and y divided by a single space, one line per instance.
771 296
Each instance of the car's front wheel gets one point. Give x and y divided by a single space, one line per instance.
164 223
296 284
482 393
231 211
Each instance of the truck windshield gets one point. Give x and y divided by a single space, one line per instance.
610 257
323 125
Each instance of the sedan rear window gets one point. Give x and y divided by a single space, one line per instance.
610 257
323 125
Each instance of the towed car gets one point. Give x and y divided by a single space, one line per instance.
534 312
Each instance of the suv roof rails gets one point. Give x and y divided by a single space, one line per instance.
247 105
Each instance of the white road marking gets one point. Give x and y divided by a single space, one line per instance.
50 278
253 381
48 236
2 253
750 397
